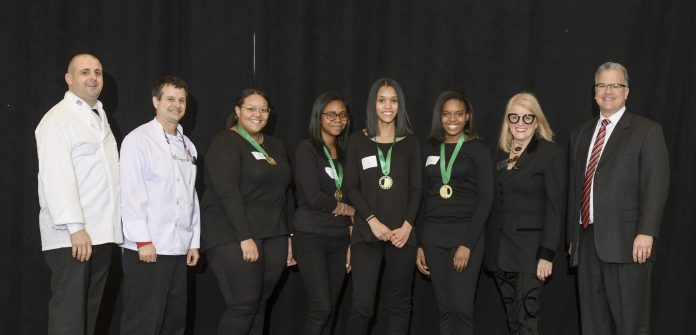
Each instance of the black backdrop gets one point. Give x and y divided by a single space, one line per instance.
295 50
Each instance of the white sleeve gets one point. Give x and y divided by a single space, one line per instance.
133 167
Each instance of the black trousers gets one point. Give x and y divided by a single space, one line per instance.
245 286
399 265
76 289
454 291
614 297
154 295
322 264
521 293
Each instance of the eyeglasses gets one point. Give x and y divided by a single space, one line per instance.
526 118
332 115
253 109
178 157
602 86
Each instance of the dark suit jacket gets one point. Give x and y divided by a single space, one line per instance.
630 186
528 213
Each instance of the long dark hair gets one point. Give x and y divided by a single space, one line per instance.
437 132
232 119
403 124
315 124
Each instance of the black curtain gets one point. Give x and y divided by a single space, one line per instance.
295 50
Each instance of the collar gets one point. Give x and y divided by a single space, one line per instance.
614 119
83 104
158 126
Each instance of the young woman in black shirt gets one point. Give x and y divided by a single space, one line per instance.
322 219
383 182
457 197
524 228
244 230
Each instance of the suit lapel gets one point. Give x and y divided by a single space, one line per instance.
584 145
617 136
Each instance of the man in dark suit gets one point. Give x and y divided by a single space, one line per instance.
618 184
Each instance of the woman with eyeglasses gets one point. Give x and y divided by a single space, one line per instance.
524 229
244 230
322 222
383 182
457 197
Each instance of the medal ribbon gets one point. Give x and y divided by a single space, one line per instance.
385 164
338 176
446 173
251 141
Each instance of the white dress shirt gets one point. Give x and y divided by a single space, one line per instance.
78 175
613 120
159 202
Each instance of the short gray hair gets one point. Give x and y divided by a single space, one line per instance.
608 66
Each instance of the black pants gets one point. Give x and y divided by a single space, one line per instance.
614 297
322 264
76 289
521 294
154 295
247 286
454 291
399 265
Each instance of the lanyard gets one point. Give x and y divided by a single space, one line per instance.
254 144
338 175
385 164
446 172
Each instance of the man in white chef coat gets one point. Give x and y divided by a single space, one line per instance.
161 220
79 197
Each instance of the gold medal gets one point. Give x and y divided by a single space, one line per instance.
385 182
445 191
271 161
338 195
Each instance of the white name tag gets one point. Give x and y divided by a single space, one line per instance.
258 155
432 160
329 171
369 162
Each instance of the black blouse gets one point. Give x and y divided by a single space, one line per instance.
245 197
315 194
393 206
460 219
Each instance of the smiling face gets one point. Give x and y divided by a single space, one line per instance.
253 114
610 100
387 105
454 117
171 106
521 131
84 78
333 127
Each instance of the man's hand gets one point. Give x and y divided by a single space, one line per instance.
192 257
250 253
147 253
461 258
420 262
400 235
642 248
544 269
81 245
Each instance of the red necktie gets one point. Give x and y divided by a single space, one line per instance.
589 173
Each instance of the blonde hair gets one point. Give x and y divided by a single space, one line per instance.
529 102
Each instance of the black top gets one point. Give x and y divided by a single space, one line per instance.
393 206
315 193
460 219
528 208
245 197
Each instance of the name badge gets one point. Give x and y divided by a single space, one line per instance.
432 160
329 171
259 156
369 162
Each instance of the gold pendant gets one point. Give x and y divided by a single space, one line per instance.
385 182
338 195
445 191
271 161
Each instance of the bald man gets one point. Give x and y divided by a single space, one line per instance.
79 197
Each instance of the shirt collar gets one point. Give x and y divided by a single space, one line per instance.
159 127
614 119
83 104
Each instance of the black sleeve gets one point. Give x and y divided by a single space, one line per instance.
307 173
555 184
484 190
415 181
654 181
352 178
425 185
224 168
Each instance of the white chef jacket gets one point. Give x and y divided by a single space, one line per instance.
159 202
78 174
